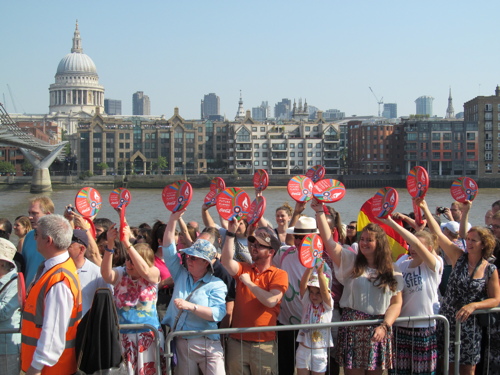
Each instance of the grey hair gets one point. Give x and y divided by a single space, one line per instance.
57 228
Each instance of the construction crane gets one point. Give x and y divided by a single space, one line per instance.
379 101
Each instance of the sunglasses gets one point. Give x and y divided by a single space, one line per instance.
351 227
297 237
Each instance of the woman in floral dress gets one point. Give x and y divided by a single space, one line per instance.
135 295
473 285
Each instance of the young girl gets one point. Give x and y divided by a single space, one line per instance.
312 354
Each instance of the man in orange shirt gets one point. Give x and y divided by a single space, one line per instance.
259 290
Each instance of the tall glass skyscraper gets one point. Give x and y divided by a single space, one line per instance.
141 104
424 105
210 105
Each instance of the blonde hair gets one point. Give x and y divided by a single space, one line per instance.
145 251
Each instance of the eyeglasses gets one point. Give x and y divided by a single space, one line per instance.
297 237
193 258
494 226
258 244
139 238
351 227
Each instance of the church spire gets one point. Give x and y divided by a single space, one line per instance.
450 112
240 115
77 41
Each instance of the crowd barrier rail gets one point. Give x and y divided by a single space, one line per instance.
458 331
295 327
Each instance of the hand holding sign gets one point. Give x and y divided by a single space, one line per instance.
256 211
260 180
316 173
177 196
464 189
216 186
311 250
233 203
119 199
300 188
385 202
417 183
88 203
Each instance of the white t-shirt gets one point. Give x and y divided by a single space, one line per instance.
360 293
420 292
322 313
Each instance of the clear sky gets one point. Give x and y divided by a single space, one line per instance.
326 51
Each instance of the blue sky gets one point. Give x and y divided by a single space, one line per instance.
328 52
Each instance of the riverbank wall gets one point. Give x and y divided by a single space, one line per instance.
203 181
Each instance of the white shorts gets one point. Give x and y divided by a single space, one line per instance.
311 359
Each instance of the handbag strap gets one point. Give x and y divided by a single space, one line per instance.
187 299
7 284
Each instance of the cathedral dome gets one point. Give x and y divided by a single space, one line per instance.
76 62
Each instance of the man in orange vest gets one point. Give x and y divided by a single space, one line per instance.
53 306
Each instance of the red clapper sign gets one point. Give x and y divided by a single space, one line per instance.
217 183
311 250
177 196
417 183
256 211
120 198
88 203
216 186
316 173
260 180
21 290
384 202
464 189
300 188
233 203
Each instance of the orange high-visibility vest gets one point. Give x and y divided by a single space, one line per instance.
33 314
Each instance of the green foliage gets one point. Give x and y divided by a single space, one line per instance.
161 164
102 166
27 167
85 175
6 167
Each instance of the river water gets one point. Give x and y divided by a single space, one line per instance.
147 205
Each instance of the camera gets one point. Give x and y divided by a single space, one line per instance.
441 210
70 209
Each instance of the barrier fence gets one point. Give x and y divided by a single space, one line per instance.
296 327
226 331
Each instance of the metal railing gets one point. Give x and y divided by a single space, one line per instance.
295 327
458 341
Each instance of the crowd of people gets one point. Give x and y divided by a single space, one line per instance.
177 276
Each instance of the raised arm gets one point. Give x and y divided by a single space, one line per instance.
185 233
297 211
169 235
206 217
333 249
304 280
147 272
108 273
464 220
451 250
427 257
323 286
227 255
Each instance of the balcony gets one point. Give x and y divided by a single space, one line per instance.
244 156
243 165
411 157
331 147
243 147
279 164
330 156
281 147
279 155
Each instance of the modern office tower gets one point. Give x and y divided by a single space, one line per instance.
141 104
283 109
333 115
262 112
424 105
112 107
390 110
484 113
210 105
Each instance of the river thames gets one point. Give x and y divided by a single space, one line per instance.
147 205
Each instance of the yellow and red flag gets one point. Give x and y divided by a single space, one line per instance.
396 242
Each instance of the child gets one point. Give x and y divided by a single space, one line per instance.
312 354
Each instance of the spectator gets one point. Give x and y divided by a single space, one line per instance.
260 287
22 226
10 312
473 284
89 273
312 354
101 225
39 206
135 294
417 341
53 306
372 290
198 304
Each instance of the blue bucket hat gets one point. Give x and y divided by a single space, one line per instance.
202 249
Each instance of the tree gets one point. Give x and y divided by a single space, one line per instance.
6 167
102 167
27 167
161 164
